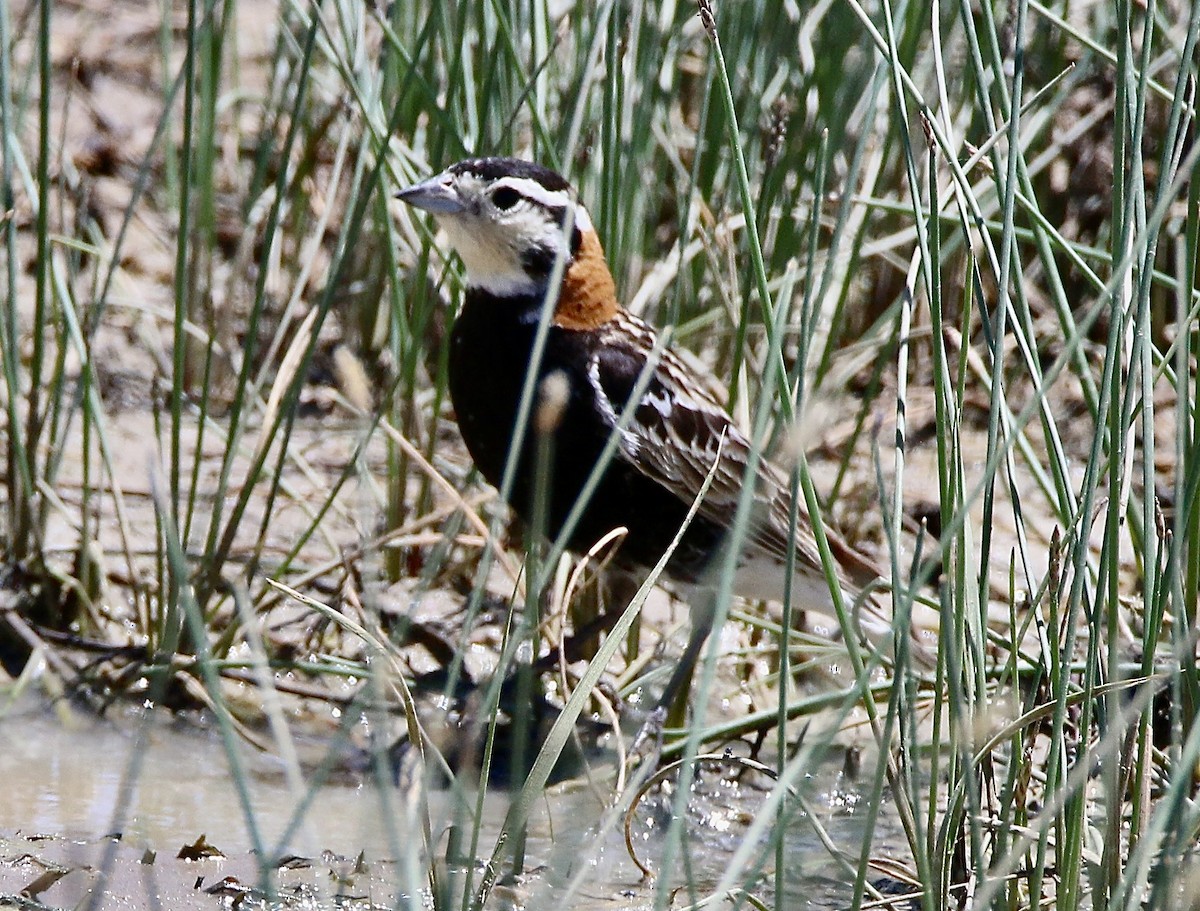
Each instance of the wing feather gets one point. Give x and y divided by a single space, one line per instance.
679 430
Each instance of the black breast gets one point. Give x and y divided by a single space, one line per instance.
491 346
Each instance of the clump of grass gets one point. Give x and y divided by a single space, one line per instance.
970 232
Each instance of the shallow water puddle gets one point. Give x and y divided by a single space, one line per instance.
65 793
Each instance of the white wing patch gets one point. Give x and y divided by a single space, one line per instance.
661 401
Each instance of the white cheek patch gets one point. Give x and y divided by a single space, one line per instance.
488 256
535 230
494 244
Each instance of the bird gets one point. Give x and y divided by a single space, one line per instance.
526 242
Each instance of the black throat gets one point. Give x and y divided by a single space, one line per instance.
491 346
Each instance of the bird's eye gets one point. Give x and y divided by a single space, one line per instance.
505 197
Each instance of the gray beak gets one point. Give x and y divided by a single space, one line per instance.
436 195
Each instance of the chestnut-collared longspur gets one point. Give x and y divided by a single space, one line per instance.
511 221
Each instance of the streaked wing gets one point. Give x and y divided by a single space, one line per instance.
678 431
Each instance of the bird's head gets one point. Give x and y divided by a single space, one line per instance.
509 221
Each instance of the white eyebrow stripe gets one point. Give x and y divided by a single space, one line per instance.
583 221
553 199
531 189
